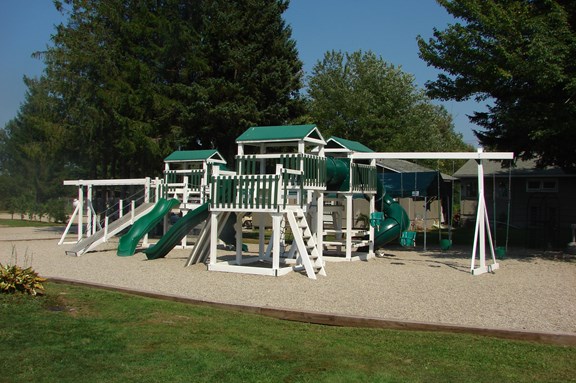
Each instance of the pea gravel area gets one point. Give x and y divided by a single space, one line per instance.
532 290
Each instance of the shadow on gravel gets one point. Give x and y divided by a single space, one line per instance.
465 252
55 229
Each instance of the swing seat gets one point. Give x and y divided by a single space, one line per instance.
408 239
376 218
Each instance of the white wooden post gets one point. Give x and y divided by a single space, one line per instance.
213 237
80 212
147 190
482 223
121 208
349 224
132 208
157 184
276 227
371 210
370 227
89 216
238 228
261 233
319 220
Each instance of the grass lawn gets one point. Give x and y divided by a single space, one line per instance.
26 223
80 334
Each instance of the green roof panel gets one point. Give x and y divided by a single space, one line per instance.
194 155
279 133
354 146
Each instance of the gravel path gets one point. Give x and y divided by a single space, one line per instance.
530 291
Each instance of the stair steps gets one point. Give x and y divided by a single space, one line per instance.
309 257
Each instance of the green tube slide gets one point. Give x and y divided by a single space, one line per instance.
395 218
337 173
129 241
178 231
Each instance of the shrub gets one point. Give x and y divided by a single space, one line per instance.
23 205
56 210
14 278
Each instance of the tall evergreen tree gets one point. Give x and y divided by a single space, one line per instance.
254 74
104 66
32 148
140 78
129 81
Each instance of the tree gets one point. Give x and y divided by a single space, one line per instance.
32 147
521 55
359 96
253 74
141 78
114 69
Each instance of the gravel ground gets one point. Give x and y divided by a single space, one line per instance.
531 291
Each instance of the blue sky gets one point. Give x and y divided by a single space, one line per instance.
386 27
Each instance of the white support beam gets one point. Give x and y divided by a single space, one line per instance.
111 182
349 224
80 213
276 229
479 155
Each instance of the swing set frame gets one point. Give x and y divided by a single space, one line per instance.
482 231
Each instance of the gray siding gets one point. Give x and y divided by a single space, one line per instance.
546 216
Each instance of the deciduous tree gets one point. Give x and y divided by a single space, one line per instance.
361 97
520 56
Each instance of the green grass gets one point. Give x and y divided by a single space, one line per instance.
81 334
26 223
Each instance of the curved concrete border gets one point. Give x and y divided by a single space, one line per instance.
566 339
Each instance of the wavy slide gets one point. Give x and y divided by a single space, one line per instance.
129 241
177 232
395 222
395 218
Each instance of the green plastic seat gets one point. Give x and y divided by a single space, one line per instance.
376 218
408 239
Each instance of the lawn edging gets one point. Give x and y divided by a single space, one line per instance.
557 338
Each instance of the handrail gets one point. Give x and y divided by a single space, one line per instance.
312 166
363 178
183 181
256 192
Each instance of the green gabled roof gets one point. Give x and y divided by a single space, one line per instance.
280 133
195 155
353 146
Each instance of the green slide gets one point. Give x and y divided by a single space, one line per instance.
177 232
395 218
395 222
129 241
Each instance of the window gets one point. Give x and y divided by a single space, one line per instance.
542 185
502 189
470 190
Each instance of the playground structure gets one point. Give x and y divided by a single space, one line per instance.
289 175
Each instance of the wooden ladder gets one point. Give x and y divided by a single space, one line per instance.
310 258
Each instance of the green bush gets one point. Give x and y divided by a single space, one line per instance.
56 210
14 278
22 205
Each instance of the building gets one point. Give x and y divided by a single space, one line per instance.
539 202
